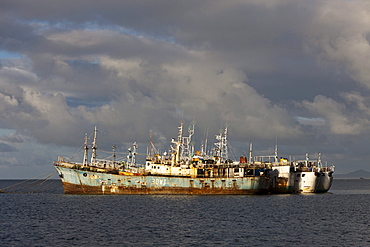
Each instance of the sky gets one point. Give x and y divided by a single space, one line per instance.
294 73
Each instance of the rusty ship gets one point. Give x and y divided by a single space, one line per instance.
180 171
183 171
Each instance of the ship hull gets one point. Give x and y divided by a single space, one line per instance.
304 182
283 186
291 181
312 182
285 180
77 181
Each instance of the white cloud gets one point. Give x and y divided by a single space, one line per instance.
311 121
338 119
339 36
360 102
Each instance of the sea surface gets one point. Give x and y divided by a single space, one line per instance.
50 218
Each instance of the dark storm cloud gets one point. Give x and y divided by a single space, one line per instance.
293 69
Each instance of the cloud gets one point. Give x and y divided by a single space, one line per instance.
342 39
359 102
137 91
132 66
6 148
12 138
339 119
212 95
311 121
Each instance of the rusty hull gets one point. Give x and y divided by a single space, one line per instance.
282 185
114 190
86 182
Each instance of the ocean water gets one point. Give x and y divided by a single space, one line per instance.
51 218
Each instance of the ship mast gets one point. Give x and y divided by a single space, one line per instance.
204 146
225 146
152 150
86 152
176 155
222 150
94 147
131 157
114 155
319 164
307 159
250 153
186 142
276 154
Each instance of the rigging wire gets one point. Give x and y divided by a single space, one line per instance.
29 179
233 153
35 184
29 183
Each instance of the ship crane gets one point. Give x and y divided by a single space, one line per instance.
131 157
186 149
86 152
222 146
94 147
151 150
176 155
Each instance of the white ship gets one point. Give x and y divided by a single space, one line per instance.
311 176
299 176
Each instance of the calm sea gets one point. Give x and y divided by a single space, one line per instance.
51 218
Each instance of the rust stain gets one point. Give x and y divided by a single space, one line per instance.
110 189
